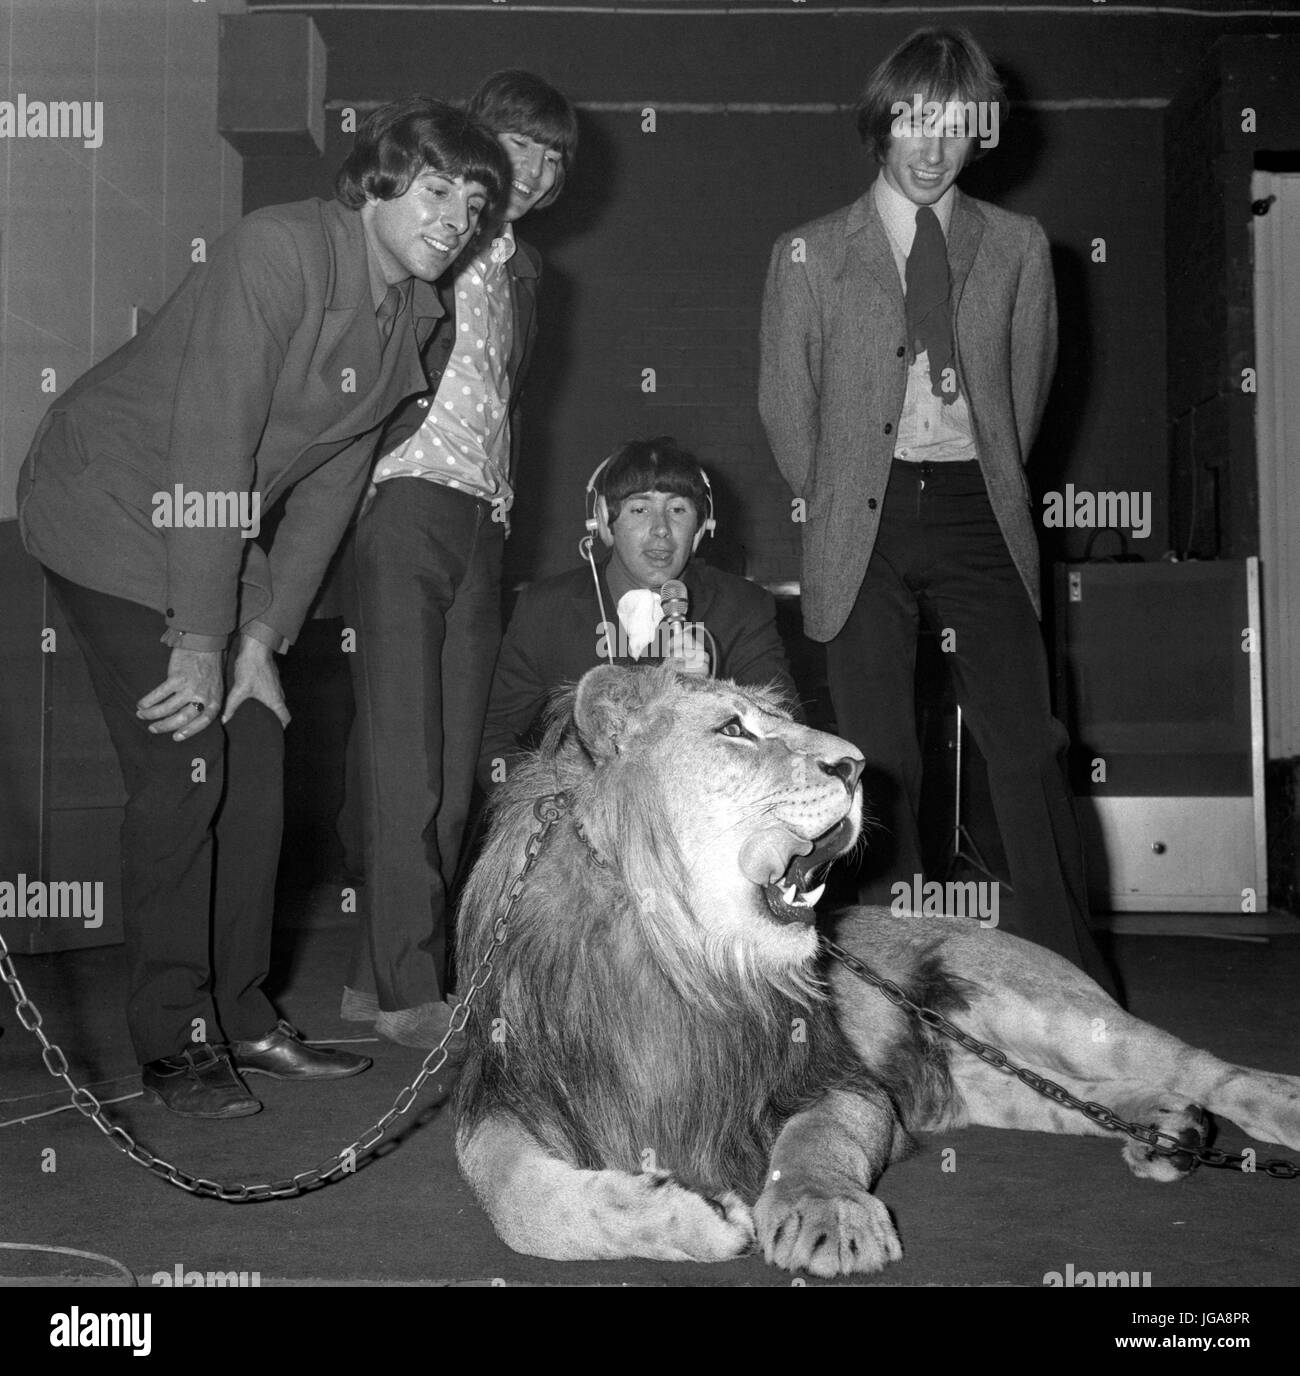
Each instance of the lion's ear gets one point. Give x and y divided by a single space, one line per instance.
605 699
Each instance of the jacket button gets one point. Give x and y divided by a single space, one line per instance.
871 503
423 401
901 350
170 612
889 428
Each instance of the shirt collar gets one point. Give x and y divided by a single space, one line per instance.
379 286
499 249
899 214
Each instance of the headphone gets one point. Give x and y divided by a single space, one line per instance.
598 523
598 507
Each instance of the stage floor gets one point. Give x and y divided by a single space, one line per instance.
1017 1206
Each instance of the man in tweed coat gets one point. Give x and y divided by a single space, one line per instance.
908 345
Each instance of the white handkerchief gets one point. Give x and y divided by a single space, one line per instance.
640 612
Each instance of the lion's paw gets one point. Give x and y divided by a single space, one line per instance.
829 1237
1188 1124
678 1224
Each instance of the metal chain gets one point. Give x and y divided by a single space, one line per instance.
1278 1168
548 811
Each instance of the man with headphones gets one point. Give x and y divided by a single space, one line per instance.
650 504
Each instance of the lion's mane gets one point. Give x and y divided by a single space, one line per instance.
609 1029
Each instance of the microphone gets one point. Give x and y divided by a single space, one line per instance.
674 599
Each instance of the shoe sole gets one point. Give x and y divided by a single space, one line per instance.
239 1111
315 1075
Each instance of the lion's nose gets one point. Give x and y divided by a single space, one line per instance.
846 769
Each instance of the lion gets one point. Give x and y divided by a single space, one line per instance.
662 1066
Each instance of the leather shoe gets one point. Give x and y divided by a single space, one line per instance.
199 1083
283 1055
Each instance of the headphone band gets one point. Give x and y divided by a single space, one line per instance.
708 526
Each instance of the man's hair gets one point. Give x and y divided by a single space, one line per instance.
657 465
518 102
936 64
398 141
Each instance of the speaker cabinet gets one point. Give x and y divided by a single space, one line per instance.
271 85
61 795
1159 678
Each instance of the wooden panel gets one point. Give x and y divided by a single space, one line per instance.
1171 854
21 620
61 791
82 852
271 84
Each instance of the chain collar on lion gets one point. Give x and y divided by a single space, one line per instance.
595 855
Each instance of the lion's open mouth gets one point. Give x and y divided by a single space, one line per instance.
792 898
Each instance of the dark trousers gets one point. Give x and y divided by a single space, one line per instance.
421 583
940 554
200 841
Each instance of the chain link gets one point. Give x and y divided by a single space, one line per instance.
1279 1169
547 810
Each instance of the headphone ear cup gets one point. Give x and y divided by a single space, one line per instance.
709 525
601 522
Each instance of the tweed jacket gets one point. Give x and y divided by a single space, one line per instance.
554 637
833 378
262 373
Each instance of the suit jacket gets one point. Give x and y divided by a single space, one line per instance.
555 636
525 270
262 372
834 376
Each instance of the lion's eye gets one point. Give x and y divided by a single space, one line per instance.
735 728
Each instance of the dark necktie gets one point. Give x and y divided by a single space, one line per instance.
387 313
929 311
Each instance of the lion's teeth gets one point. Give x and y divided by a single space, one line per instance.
788 894
813 896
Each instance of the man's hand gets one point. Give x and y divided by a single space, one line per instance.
189 698
686 651
255 676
